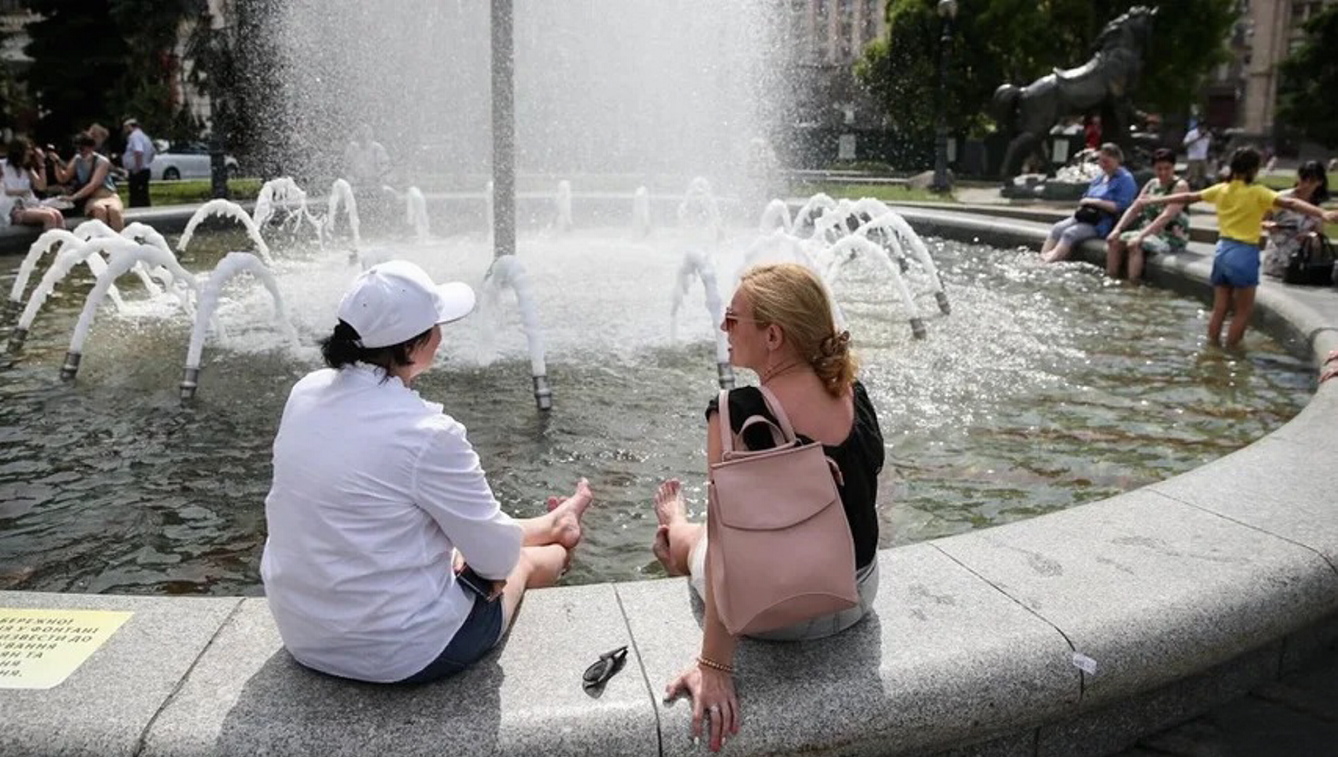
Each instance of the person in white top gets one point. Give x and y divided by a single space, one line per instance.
1196 142
24 171
388 559
137 160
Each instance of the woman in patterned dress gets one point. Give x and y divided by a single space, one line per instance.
1156 230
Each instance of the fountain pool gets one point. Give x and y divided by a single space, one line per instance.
1046 388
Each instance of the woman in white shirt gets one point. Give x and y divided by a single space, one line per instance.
23 171
379 502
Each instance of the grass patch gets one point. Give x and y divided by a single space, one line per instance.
191 191
884 192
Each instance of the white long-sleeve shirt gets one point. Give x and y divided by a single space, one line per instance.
373 489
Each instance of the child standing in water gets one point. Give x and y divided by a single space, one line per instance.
1241 207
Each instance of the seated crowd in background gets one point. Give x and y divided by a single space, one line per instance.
22 176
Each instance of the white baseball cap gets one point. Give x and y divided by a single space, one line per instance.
395 301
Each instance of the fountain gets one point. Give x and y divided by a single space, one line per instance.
641 211
563 202
123 258
699 208
341 195
415 214
854 245
776 216
231 266
507 272
698 265
230 210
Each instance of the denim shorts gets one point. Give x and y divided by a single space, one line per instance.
480 633
1235 264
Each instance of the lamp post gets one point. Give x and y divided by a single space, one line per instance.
947 11
218 107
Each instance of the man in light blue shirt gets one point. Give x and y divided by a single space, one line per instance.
1107 197
138 157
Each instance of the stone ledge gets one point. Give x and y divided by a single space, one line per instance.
1183 592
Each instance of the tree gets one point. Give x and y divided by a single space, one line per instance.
102 60
998 41
1309 80
78 56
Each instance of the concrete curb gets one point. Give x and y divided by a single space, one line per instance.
1185 594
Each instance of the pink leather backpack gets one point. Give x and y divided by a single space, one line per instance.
779 545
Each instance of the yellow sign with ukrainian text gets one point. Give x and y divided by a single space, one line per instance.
41 648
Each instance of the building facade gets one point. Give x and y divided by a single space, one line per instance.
1243 92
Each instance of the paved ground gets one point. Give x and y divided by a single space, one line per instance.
1294 717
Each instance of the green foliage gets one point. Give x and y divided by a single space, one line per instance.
104 60
1017 41
1310 79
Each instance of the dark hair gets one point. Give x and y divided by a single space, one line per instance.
84 139
1313 169
1110 149
17 152
343 348
1163 155
1245 164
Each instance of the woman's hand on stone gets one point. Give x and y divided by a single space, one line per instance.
712 693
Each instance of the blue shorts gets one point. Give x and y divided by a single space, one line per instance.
1236 264
480 633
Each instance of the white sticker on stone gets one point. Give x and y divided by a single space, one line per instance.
1084 663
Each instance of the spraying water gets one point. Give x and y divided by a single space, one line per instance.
641 211
698 265
851 247
776 216
507 272
123 258
815 206
341 193
415 213
700 208
893 221
233 211
563 223
233 264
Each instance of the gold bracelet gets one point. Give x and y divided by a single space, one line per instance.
715 665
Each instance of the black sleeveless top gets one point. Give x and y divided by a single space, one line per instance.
860 458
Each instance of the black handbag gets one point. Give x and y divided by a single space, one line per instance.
1312 264
1088 214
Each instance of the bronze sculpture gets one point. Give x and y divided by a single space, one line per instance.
1102 83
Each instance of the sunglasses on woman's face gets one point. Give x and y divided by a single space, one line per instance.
732 318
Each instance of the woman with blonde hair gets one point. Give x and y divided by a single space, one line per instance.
780 326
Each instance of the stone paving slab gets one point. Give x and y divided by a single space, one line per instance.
943 658
1107 574
247 696
105 706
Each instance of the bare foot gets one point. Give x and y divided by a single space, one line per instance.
567 515
661 548
669 507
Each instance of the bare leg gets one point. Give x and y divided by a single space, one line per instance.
1221 301
562 524
539 567
1047 246
115 220
1113 258
1060 252
676 536
1242 306
1135 263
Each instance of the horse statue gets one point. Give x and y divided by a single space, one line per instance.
1104 81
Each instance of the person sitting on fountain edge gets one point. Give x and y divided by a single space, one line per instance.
1241 207
1156 231
780 325
388 559
94 187
1106 198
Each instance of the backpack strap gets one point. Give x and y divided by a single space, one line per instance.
774 406
726 431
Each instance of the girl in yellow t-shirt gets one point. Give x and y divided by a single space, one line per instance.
1241 207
